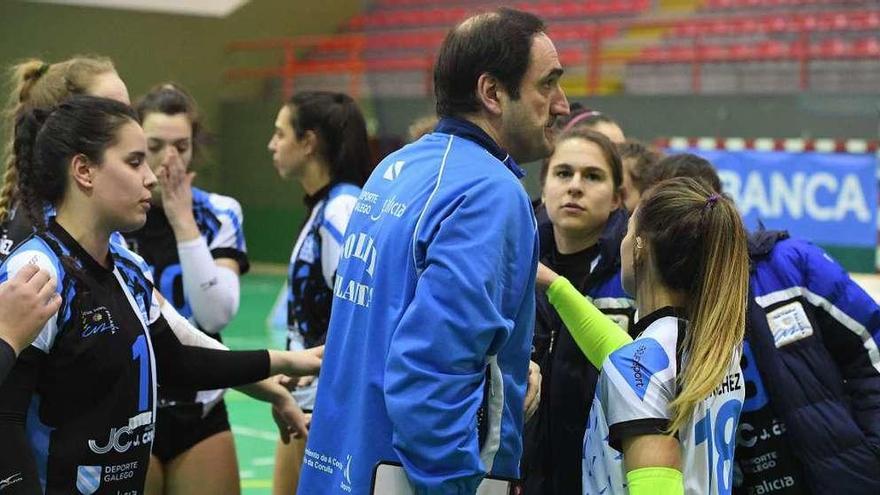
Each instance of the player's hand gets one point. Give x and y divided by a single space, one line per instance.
289 418
177 199
533 391
545 276
296 363
27 301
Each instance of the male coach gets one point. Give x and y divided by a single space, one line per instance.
428 347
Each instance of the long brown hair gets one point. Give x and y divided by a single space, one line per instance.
699 246
37 84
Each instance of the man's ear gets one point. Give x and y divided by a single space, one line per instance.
81 171
489 93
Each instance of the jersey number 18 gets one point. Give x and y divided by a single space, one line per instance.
721 441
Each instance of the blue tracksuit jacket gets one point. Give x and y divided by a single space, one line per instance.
816 350
428 346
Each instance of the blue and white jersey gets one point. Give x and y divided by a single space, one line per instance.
313 263
637 384
428 346
221 223
312 268
17 228
87 384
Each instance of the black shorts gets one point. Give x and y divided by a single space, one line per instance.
180 427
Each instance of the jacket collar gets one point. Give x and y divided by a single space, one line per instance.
470 131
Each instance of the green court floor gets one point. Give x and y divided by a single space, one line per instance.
255 433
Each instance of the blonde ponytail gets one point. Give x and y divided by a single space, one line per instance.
700 246
718 312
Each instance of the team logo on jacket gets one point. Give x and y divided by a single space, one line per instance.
88 479
393 170
789 323
97 321
346 473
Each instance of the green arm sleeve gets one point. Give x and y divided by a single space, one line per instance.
596 334
655 481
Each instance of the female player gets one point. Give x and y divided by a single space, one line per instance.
320 140
584 119
194 242
664 417
86 388
809 352
581 194
37 84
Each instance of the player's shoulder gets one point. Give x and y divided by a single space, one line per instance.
33 251
122 252
217 203
341 200
343 190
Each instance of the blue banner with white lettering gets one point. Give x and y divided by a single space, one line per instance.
827 198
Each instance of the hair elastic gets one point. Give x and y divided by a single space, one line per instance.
579 117
711 200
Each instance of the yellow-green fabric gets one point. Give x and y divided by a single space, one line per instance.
655 481
596 334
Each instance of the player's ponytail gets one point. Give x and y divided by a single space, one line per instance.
27 129
699 245
37 84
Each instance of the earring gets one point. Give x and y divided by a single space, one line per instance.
638 243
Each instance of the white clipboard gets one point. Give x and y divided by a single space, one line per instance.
390 479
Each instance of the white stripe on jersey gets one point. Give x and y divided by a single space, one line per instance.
337 213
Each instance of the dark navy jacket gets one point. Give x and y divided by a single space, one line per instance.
554 436
816 347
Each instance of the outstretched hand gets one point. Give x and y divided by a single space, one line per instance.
545 276
297 363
